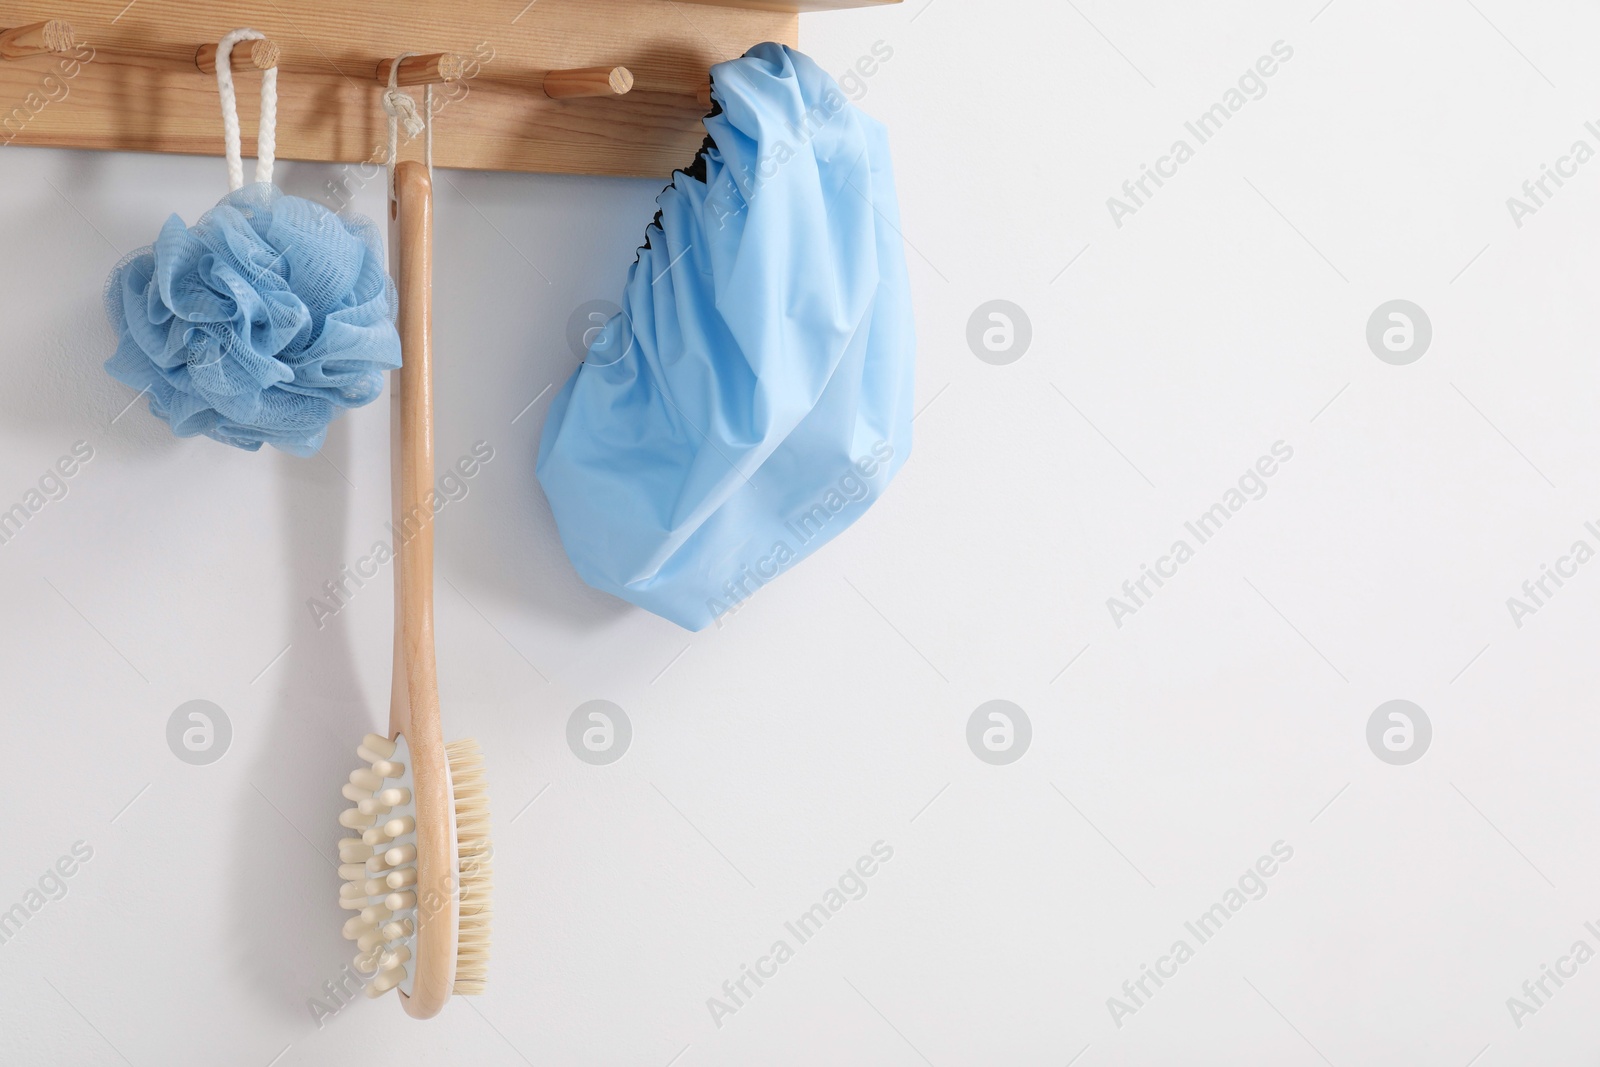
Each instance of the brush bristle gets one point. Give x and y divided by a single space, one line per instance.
474 854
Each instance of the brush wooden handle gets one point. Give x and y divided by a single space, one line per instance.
414 703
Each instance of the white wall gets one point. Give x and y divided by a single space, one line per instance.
1168 754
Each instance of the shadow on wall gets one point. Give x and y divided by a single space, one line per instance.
56 385
287 918
515 258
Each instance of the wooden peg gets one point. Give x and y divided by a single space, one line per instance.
36 39
704 95
260 54
587 81
425 70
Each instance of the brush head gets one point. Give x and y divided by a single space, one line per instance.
380 866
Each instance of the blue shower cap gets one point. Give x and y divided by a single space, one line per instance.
753 397
258 324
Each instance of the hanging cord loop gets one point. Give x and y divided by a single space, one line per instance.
401 107
267 127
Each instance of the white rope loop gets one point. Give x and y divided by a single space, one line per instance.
266 131
401 107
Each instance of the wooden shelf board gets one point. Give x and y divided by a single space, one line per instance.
132 84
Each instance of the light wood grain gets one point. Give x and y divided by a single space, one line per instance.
139 90
414 703
36 39
434 69
587 81
259 55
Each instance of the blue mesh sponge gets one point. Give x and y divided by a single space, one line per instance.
258 324
754 395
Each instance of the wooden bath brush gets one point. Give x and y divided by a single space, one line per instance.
419 875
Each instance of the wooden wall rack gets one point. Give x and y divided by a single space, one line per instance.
560 86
